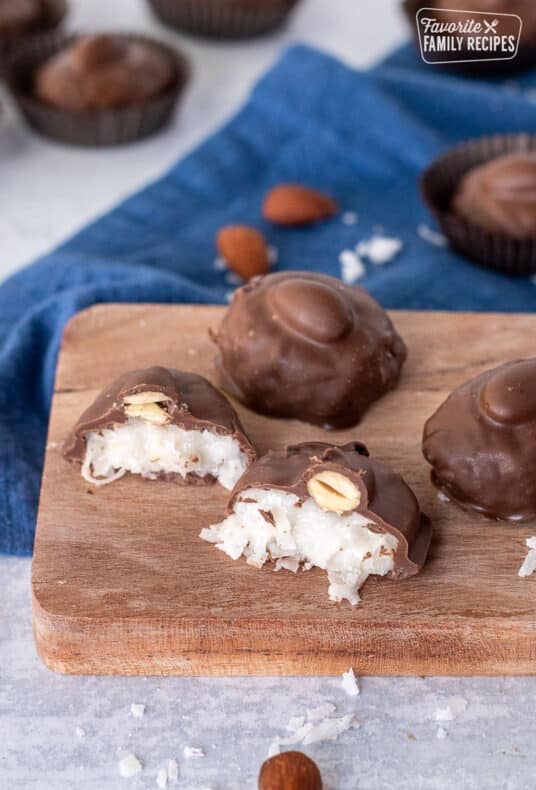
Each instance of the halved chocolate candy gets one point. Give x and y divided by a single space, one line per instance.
160 422
316 504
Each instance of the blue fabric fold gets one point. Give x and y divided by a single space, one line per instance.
362 136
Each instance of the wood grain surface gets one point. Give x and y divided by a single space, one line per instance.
123 584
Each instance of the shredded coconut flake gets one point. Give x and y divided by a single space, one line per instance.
129 766
193 752
349 218
352 267
329 729
318 727
441 733
455 707
143 448
80 732
273 255
137 710
529 563
442 497
340 543
220 264
172 770
162 778
288 564
295 723
315 714
379 249
431 236
349 683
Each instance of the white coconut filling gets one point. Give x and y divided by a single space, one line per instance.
149 450
305 536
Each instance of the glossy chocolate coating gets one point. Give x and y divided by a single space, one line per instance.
306 346
500 195
195 405
385 498
104 72
481 442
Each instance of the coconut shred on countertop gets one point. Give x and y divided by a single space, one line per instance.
160 422
318 505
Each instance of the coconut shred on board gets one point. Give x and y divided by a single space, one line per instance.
529 563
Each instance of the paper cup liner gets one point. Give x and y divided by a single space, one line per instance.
438 184
92 127
222 18
525 58
54 12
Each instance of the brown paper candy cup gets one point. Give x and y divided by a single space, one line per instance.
54 12
439 183
222 18
93 127
525 58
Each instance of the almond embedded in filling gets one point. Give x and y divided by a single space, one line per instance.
267 524
150 450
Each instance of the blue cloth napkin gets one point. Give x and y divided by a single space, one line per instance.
364 137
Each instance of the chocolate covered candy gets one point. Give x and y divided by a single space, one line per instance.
316 504
500 195
100 72
160 423
306 346
481 442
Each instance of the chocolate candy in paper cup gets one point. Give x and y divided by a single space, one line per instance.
55 61
481 193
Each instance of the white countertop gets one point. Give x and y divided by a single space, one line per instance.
47 192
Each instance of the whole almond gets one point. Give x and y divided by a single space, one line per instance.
292 204
244 249
290 771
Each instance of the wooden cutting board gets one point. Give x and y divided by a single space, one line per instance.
123 584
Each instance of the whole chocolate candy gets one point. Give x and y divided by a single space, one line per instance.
481 442
309 347
500 195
